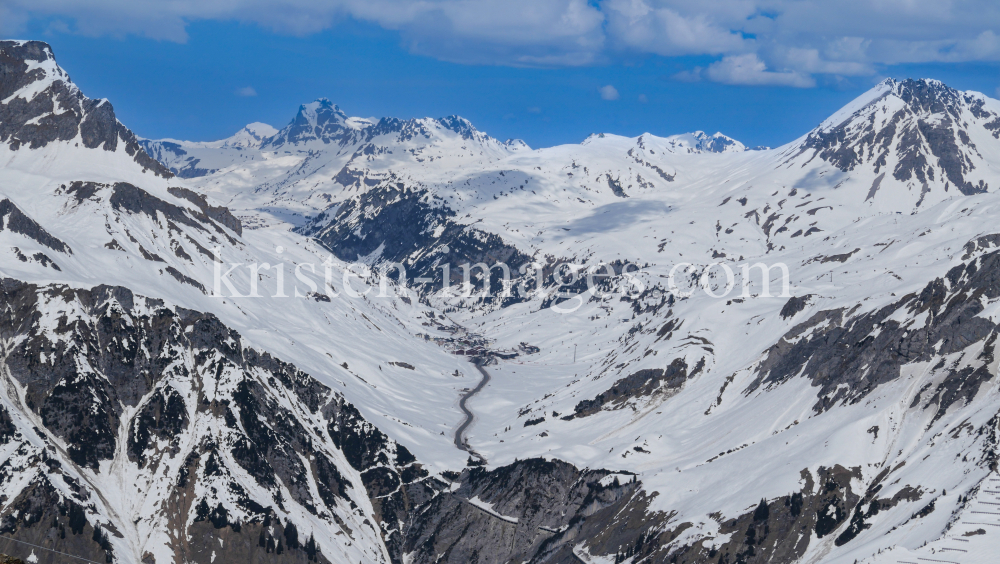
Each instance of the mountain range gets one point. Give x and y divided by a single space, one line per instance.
202 363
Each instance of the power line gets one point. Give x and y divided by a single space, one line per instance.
50 550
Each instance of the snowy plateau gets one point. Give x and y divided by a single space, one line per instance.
151 414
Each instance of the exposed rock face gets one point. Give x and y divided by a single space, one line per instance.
639 384
847 356
794 305
170 396
777 530
520 513
128 198
396 483
43 106
50 520
548 511
395 223
318 121
13 219
922 124
218 213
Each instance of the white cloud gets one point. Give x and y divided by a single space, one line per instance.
246 91
799 38
534 110
664 31
810 61
750 70
609 93
693 75
510 32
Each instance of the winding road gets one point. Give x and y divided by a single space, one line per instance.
460 432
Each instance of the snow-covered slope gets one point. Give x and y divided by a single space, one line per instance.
854 417
185 157
927 136
121 374
696 142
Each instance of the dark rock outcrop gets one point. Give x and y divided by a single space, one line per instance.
847 356
409 227
642 383
117 367
794 305
34 123
928 134
13 219
220 214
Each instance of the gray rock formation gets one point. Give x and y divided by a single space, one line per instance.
33 122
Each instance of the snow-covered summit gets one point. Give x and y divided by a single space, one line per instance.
921 133
696 142
699 141
318 121
40 106
322 152
323 122
31 68
251 136
925 94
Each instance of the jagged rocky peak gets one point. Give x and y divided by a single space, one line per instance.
39 105
459 125
467 131
921 132
324 121
321 120
29 67
398 130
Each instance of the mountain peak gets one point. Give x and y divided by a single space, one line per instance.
921 131
29 68
252 135
922 94
320 120
691 143
321 106
715 143
41 105
459 125
27 51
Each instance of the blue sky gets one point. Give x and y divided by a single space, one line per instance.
195 85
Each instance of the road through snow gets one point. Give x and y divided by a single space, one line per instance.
460 432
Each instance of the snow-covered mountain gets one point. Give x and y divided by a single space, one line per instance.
922 133
696 142
337 153
852 418
178 155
